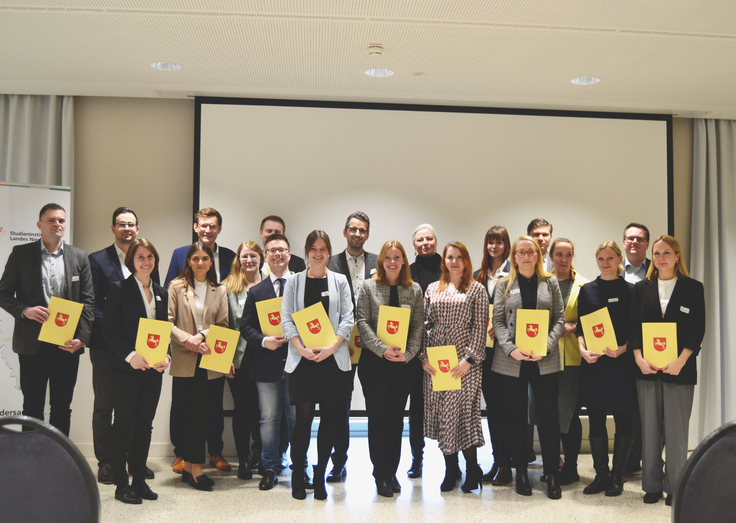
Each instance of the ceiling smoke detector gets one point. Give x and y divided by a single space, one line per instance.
375 50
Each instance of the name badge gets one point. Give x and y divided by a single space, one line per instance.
684 309
158 298
405 307
373 271
612 300
514 291
241 302
75 278
325 293
189 293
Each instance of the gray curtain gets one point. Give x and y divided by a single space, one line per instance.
37 139
713 254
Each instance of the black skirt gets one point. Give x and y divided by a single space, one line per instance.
313 382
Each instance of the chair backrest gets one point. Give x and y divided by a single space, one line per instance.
706 490
44 476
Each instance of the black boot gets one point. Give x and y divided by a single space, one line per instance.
473 478
320 490
621 450
451 470
553 487
298 488
599 450
416 464
522 483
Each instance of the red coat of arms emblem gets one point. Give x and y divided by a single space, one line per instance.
357 342
660 344
392 327
532 329
153 340
61 319
220 346
274 318
444 365
314 326
598 330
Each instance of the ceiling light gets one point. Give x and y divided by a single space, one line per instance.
166 66
380 73
585 80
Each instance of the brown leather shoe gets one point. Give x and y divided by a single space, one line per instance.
504 477
220 463
178 465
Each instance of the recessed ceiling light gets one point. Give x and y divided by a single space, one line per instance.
380 73
585 80
166 66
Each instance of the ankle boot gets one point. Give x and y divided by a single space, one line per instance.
320 490
621 451
522 483
599 450
451 471
473 478
416 464
298 488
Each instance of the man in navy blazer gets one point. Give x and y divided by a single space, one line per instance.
357 265
108 267
269 359
207 225
36 272
275 225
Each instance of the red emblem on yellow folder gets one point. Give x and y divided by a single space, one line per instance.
314 326
598 330
357 342
392 327
660 344
153 340
61 319
274 318
220 346
444 365
532 329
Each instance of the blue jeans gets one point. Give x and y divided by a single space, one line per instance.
273 399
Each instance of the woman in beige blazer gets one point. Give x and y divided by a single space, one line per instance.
196 301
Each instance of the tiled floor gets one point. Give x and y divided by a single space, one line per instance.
356 501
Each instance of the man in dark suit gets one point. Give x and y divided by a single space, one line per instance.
36 272
207 225
269 358
275 225
357 265
108 267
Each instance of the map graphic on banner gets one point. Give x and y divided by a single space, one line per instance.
19 207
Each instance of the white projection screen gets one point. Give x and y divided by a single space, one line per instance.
461 169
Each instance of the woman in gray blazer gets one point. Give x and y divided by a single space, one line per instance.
384 372
529 286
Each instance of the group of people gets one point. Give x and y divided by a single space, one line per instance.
277 382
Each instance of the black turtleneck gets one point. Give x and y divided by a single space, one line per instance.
426 270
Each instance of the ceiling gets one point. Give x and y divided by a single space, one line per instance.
654 56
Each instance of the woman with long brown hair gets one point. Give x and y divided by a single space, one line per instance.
456 313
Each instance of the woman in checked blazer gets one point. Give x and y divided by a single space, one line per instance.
529 286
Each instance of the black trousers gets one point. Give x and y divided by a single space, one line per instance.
342 438
197 405
416 408
386 387
135 399
102 409
215 424
495 397
53 368
246 413
545 389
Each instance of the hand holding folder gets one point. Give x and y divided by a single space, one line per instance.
62 323
532 330
443 360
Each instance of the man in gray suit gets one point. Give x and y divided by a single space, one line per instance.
33 274
357 265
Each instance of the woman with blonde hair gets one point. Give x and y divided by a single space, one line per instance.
456 313
384 371
529 286
666 393
606 382
244 274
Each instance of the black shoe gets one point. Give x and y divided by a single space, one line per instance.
652 497
337 474
668 500
553 487
201 483
600 484
543 477
569 474
297 484
616 486
523 487
244 471
149 474
269 480
145 492
491 473
104 474
473 478
416 468
320 490
395 485
449 482
127 495
185 476
383 488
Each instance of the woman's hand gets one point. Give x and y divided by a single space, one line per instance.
322 353
204 349
193 342
428 368
138 362
491 333
615 353
676 366
273 342
461 370
569 328
589 357
644 365
520 355
394 354
163 365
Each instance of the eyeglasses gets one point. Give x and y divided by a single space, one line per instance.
635 239
353 230
525 254
277 251
124 225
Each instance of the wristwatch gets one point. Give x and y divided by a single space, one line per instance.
469 360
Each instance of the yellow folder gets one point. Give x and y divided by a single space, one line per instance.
222 343
152 340
598 331
393 326
314 327
269 316
532 329
62 323
354 345
659 343
443 359
489 341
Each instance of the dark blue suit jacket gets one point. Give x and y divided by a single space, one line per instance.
180 257
267 365
106 270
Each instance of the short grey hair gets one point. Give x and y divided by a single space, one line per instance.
419 228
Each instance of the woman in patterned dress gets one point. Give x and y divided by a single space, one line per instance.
456 313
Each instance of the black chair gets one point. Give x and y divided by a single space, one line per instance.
44 476
705 492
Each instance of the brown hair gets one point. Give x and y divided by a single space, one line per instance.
551 251
139 242
236 281
537 222
405 274
680 267
313 237
467 276
208 212
498 233
187 275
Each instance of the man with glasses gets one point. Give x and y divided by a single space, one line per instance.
636 265
108 267
357 265
267 366
275 225
207 225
